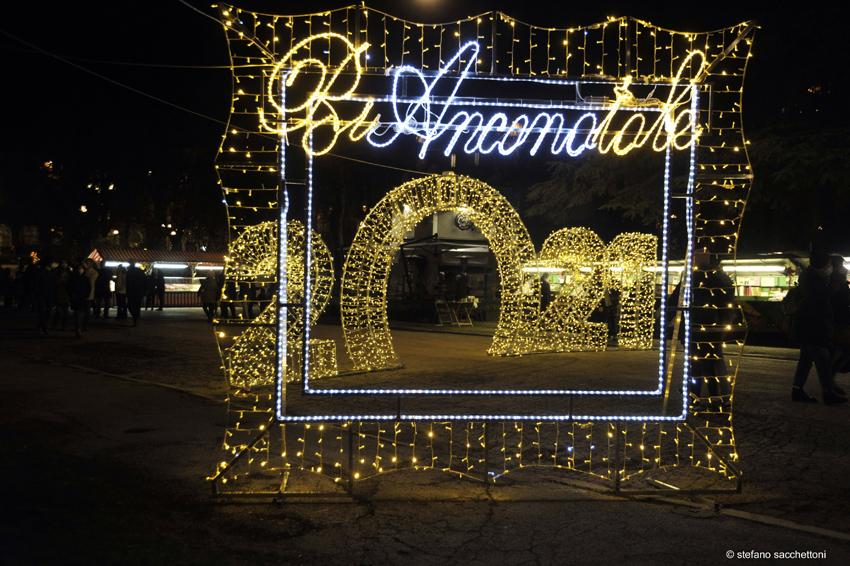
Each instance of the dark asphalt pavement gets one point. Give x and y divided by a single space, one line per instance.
108 440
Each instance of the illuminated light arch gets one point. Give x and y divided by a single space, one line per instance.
253 257
367 267
251 357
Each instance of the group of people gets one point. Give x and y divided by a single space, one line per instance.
218 295
55 290
821 325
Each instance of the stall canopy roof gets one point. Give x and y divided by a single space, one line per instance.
150 256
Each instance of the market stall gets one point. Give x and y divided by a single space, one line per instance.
181 272
760 285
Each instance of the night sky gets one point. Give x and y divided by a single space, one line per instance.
163 84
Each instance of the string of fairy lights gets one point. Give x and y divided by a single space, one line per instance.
589 271
623 51
576 254
467 449
250 355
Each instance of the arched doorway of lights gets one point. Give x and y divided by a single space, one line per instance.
363 294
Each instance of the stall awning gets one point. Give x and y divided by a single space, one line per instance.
151 256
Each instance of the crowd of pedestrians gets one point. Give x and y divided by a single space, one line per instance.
54 291
68 295
819 309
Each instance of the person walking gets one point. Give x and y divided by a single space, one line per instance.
813 329
6 287
63 299
44 293
136 289
227 299
92 273
103 292
160 287
210 293
150 290
545 292
247 296
121 292
840 289
79 288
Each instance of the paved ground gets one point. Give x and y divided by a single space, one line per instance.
107 442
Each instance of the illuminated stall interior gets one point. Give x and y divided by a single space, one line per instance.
445 257
182 271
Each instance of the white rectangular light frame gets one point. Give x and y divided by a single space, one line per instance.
280 370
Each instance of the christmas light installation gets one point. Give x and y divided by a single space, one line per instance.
430 116
629 258
367 266
587 268
578 256
250 356
615 66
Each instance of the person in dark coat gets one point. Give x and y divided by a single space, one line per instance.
44 293
840 289
63 299
813 329
150 290
79 288
210 294
121 292
247 294
136 290
92 273
227 298
160 287
103 292
545 292
6 287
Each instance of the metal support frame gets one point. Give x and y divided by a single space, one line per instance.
239 455
668 489
617 457
282 494
487 454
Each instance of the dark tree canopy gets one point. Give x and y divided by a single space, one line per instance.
801 190
608 194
